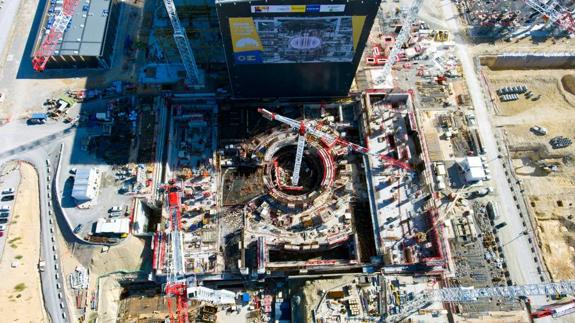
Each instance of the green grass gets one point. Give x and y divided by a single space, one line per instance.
20 287
15 239
19 257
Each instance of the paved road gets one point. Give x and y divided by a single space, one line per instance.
52 278
520 261
7 16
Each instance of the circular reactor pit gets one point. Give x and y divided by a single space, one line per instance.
316 176
311 173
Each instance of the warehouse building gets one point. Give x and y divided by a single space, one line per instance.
86 184
89 38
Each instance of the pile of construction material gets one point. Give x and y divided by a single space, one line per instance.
560 142
79 278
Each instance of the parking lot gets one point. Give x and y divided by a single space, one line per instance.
9 179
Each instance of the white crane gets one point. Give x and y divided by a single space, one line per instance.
401 38
183 44
307 129
555 12
471 294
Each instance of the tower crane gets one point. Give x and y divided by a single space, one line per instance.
176 285
54 36
401 38
555 12
471 294
183 44
305 129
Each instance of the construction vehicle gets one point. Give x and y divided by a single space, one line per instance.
305 128
555 310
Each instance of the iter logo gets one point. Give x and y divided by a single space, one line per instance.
246 43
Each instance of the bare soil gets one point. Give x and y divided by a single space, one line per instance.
549 195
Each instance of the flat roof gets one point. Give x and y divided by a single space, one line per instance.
114 226
86 32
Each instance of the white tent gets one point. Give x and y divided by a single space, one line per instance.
473 169
86 183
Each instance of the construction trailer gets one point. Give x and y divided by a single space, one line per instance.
84 40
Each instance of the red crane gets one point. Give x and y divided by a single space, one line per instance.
304 129
176 285
54 35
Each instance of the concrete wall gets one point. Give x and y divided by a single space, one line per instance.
529 61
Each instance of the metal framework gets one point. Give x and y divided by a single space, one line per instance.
176 285
298 155
307 128
183 44
555 12
401 38
54 36
471 294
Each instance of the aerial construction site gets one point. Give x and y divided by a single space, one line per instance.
269 161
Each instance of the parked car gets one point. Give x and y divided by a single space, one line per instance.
5 208
4 214
78 228
7 198
9 190
500 225
2 227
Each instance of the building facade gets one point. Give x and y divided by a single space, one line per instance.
294 48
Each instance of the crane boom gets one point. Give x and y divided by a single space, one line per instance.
471 294
308 129
401 38
555 12
183 44
54 36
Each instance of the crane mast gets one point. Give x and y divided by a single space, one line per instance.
183 44
401 38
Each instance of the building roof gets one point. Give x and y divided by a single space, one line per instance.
473 169
86 32
112 226
85 184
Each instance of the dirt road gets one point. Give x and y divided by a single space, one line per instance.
20 292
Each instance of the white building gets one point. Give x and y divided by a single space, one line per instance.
112 226
86 184
214 296
473 169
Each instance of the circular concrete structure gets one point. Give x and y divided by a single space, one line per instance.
316 176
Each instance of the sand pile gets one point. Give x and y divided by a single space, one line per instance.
568 82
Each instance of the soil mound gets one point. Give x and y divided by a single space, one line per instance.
568 82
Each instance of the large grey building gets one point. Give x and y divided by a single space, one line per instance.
299 48
89 38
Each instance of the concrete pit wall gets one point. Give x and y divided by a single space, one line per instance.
529 61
